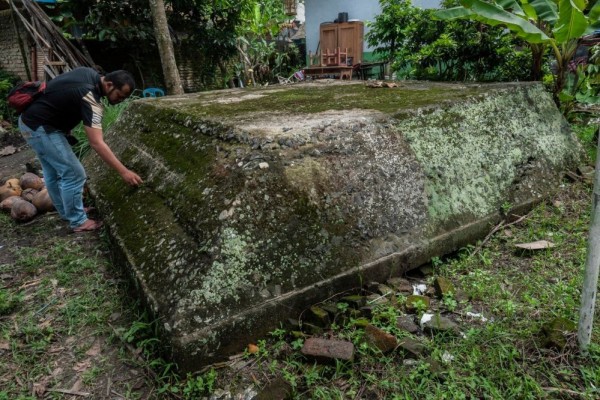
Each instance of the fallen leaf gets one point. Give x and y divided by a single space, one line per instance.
4 345
94 350
538 245
56 349
8 150
39 389
76 386
82 366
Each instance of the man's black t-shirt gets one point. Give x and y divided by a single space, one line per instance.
69 99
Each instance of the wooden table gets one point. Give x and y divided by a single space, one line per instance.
344 71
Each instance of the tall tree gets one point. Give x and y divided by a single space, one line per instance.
165 47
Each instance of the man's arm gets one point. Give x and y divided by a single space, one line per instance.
99 145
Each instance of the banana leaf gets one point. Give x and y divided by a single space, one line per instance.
571 23
493 15
547 10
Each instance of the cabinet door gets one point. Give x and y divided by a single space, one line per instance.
350 36
329 37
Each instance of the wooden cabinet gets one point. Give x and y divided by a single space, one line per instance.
345 35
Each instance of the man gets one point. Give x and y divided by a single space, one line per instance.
69 99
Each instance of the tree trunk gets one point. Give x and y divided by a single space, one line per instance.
537 56
223 69
165 47
592 265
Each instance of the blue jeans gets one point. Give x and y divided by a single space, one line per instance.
63 173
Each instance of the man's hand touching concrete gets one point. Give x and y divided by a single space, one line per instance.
131 178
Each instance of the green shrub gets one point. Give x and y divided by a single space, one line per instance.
7 81
420 47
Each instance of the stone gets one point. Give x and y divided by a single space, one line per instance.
376 300
587 172
327 351
412 348
384 290
355 301
331 309
415 303
400 285
373 183
366 311
312 329
555 332
318 316
443 287
277 389
426 270
380 339
439 323
407 323
361 322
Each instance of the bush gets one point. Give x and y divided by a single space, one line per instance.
423 48
7 81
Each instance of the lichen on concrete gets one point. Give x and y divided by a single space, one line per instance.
258 202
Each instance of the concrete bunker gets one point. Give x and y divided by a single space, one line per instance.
258 203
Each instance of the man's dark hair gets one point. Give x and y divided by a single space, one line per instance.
120 78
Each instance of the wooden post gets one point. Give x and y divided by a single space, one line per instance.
592 266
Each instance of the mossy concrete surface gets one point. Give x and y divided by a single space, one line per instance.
258 203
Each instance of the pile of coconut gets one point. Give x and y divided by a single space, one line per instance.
24 198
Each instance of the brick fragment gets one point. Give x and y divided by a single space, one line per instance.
326 350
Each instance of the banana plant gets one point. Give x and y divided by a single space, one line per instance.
557 24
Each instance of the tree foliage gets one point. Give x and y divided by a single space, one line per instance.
557 24
231 36
420 47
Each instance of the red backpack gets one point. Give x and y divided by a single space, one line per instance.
22 95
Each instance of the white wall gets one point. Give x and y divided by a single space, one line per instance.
318 11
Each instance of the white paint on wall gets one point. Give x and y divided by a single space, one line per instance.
300 16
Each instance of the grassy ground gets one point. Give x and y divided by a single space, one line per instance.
69 329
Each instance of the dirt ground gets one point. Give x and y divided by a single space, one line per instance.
64 310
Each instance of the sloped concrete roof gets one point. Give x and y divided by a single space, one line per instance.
258 203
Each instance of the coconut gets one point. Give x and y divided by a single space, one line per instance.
42 201
31 180
7 203
29 194
10 188
23 210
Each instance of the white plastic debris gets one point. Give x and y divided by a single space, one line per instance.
419 289
447 357
477 316
426 318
